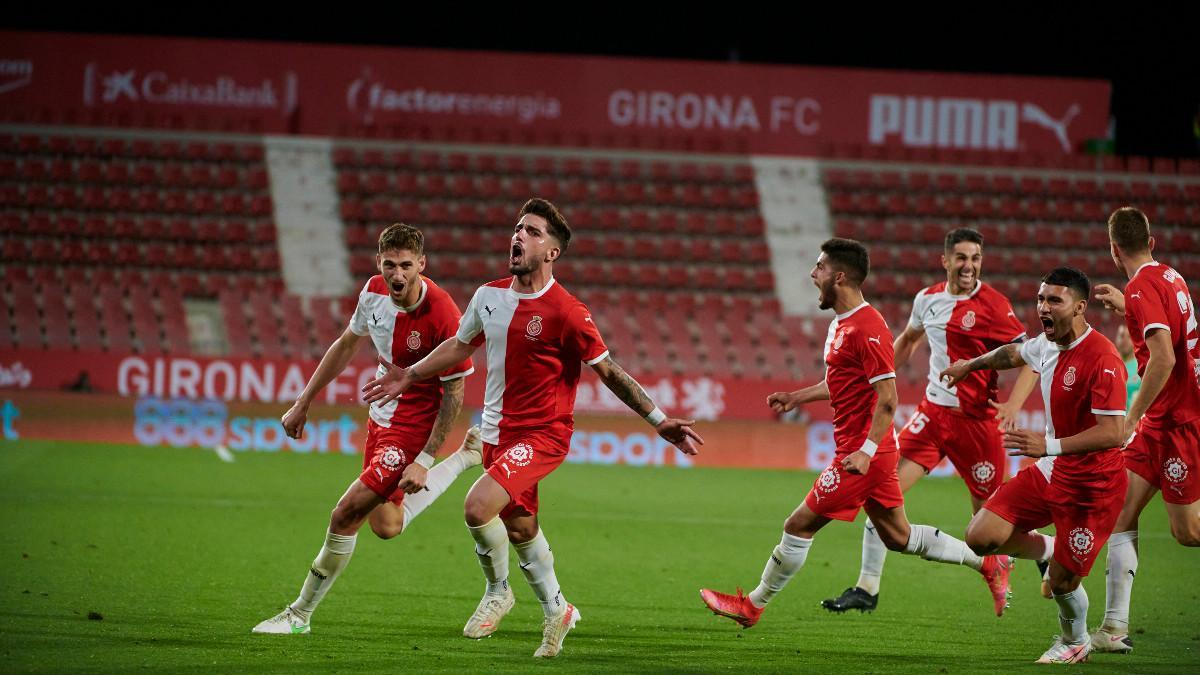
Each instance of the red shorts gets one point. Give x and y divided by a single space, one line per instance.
1169 459
1081 526
839 495
519 463
975 446
388 451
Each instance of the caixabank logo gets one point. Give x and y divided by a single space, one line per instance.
15 74
113 85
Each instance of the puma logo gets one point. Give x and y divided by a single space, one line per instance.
1035 115
489 310
1111 371
873 339
507 471
375 318
1137 295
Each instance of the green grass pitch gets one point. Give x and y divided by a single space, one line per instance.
181 554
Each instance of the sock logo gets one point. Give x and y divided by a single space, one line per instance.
317 574
1080 541
776 560
524 565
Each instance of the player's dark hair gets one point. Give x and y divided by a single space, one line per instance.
401 237
1129 229
962 234
850 257
1072 278
555 222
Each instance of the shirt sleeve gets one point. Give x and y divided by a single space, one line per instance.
1108 387
878 357
1007 327
915 321
358 321
449 322
1031 352
1145 309
470 327
581 336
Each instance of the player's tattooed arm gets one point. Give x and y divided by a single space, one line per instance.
623 386
1002 358
452 399
676 430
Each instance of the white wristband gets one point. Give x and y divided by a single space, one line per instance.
869 447
425 459
1053 447
656 416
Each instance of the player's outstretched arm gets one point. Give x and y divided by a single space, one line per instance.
786 401
1001 358
1112 298
1108 433
886 399
1006 413
335 360
415 474
1154 378
678 431
906 343
396 380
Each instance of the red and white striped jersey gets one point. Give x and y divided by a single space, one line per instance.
536 343
963 327
1079 381
403 336
858 353
1157 297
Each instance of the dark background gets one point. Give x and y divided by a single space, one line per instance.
1151 57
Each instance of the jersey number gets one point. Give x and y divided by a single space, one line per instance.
918 422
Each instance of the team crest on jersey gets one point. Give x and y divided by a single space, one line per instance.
1175 470
838 340
1069 378
391 457
1081 541
534 327
414 340
968 320
829 480
983 472
520 454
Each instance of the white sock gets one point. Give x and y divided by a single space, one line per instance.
1072 615
438 479
933 544
329 563
1047 548
787 559
1122 566
491 547
537 563
873 555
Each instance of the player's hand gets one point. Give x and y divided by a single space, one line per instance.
782 401
294 419
1112 298
413 479
955 373
1025 442
389 386
1131 428
857 462
1006 414
680 434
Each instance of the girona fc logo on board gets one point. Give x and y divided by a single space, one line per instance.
414 340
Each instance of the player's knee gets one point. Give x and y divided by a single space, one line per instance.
979 542
476 514
1063 585
894 541
1187 534
387 529
341 518
519 533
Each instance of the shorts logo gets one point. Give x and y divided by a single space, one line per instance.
1080 541
1069 378
391 458
983 472
414 341
534 327
1175 470
520 454
829 480
968 320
